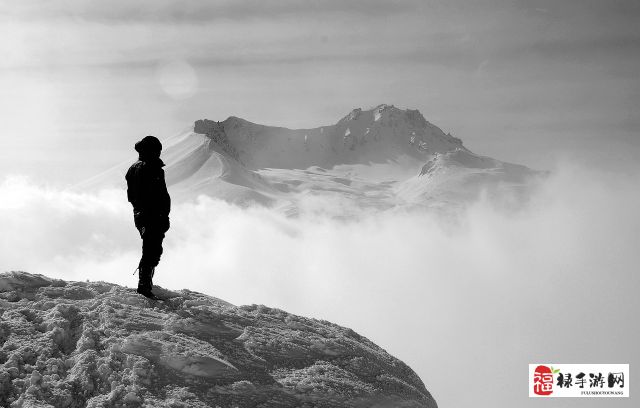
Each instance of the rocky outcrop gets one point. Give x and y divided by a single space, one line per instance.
95 344
215 132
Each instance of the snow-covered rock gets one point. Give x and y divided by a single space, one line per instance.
96 344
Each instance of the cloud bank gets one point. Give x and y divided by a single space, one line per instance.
458 300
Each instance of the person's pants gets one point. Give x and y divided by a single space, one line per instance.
152 233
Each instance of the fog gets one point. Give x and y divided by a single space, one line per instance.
467 301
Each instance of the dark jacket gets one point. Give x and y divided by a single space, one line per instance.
147 190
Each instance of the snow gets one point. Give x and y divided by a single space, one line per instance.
458 177
379 109
95 344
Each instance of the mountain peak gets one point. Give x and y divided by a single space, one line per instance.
384 111
384 106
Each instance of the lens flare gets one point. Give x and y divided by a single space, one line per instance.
177 79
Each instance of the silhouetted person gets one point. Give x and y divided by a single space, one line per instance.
147 192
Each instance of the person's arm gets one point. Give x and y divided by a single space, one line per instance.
138 187
133 186
165 198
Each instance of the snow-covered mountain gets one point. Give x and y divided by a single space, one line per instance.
383 157
95 344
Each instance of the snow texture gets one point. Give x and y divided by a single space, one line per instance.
96 344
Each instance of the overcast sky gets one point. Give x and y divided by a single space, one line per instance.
523 81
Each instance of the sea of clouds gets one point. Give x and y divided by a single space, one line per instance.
467 301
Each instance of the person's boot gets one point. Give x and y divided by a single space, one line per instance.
145 284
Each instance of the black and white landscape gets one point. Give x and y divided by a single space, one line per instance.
374 203
381 222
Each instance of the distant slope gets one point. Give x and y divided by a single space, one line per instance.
460 176
205 164
96 344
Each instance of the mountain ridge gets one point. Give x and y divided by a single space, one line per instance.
375 135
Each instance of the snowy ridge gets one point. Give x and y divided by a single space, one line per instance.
206 163
95 344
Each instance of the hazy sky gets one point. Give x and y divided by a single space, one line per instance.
526 81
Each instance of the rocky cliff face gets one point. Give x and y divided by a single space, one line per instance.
95 344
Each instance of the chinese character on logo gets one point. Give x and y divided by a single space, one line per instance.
615 378
596 380
565 380
542 380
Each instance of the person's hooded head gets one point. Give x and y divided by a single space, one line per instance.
148 148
